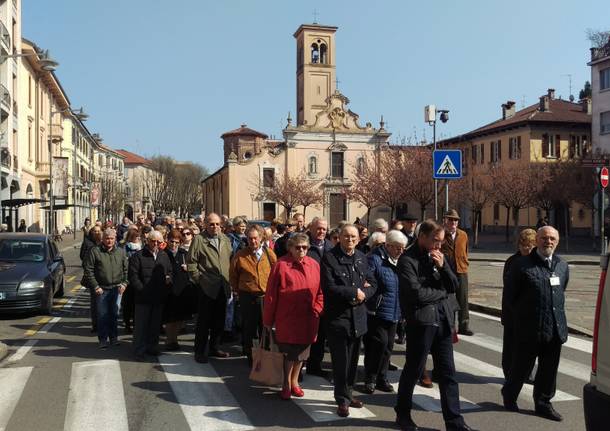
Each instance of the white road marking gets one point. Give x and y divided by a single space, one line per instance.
427 398
206 402
47 327
96 397
12 382
566 366
319 401
478 368
575 343
22 351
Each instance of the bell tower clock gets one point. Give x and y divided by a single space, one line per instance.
316 71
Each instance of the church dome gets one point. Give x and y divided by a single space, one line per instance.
243 131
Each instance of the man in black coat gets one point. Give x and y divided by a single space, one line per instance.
346 283
318 247
91 240
150 276
426 281
535 298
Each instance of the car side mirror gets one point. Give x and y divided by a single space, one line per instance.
58 258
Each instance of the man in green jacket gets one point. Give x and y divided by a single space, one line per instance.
208 264
105 273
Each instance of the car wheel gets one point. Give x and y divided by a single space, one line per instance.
60 291
47 308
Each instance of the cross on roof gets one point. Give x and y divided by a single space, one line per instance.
315 16
337 83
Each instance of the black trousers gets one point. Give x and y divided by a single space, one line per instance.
210 322
523 358
316 353
400 328
252 319
344 352
128 306
461 294
146 332
93 308
378 346
437 340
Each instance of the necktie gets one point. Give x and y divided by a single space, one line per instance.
548 263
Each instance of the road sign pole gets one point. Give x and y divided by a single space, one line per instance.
447 195
601 223
435 180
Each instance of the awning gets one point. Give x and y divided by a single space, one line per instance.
16 203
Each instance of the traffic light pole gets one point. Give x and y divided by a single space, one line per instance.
435 180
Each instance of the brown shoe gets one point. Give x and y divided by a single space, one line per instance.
219 354
343 410
356 403
425 380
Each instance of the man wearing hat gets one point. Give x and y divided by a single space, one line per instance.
409 223
455 249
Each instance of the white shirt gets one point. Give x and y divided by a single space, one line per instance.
258 253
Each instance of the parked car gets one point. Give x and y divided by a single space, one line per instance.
596 393
262 223
31 272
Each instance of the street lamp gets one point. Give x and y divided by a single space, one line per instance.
430 114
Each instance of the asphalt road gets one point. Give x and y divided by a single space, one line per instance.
55 378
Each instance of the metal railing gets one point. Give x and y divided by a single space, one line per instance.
5 97
15 162
5 158
5 36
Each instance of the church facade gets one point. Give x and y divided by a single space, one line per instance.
325 146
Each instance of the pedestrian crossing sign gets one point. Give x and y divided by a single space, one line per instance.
447 164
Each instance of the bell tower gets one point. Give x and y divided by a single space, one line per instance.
316 71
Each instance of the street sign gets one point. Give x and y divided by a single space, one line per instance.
596 199
594 163
603 177
447 164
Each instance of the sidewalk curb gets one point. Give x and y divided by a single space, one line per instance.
3 350
570 262
494 311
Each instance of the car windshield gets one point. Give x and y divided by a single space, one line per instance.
20 250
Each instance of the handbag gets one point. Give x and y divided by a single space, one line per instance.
267 362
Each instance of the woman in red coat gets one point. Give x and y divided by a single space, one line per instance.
293 304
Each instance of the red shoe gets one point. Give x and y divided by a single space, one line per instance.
285 394
297 391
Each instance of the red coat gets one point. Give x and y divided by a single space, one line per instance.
294 301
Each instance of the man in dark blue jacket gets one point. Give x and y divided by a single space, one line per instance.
426 281
535 298
347 283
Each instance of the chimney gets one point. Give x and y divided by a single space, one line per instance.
586 105
551 93
545 102
508 109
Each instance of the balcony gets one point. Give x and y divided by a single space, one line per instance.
5 37
5 158
5 98
599 53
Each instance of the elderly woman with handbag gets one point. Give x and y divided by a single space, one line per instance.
293 304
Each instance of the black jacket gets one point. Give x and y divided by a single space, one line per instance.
317 254
537 307
147 276
341 277
424 289
86 247
508 265
180 277
281 245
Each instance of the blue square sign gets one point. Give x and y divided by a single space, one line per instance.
447 164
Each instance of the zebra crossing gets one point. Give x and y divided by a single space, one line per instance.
97 390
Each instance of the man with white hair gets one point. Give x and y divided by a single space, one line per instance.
105 273
379 225
535 296
150 276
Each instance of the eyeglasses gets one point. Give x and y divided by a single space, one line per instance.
301 247
155 241
175 242
213 224
187 233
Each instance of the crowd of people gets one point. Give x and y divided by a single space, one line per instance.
349 289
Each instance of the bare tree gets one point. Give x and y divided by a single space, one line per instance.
285 191
513 187
310 193
416 183
475 192
187 196
598 38
365 188
160 184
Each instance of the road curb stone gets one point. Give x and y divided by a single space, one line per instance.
3 350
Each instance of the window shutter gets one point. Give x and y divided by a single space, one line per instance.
518 156
499 149
482 154
545 145
557 146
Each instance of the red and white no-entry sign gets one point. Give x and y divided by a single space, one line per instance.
603 177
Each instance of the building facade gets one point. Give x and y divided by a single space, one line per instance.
600 92
549 131
324 146
136 173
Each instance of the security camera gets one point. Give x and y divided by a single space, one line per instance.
444 116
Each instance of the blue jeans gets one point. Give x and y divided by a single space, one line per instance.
107 314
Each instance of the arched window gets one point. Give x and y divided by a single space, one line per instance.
313 165
323 54
315 53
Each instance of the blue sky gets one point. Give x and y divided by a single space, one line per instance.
170 77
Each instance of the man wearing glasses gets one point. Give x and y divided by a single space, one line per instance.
208 264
